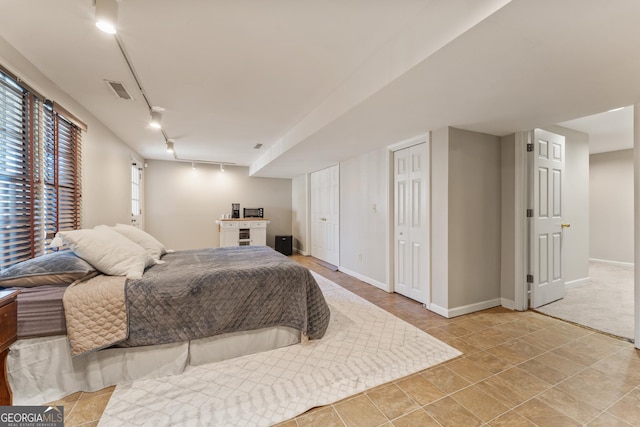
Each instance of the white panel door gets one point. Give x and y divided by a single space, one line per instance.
325 215
402 214
318 234
411 230
546 247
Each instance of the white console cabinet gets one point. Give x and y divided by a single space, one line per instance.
243 232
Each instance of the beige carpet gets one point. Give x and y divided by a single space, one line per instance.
364 347
606 304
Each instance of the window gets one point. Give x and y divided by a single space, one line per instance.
135 190
40 160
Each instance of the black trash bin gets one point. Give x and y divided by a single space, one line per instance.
284 244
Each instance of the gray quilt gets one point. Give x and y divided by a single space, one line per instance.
206 292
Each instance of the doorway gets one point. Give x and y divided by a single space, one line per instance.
325 215
604 301
581 236
546 215
411 222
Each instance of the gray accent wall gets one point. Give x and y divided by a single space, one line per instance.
440 220
474 218
508 215
611 208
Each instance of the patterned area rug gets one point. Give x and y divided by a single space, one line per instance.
364 347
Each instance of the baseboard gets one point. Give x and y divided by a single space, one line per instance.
438 310
508 304
607 261
365 279
577 283
465 309
301 252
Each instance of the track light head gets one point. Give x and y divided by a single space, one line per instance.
221 167
170 148
107 15
156 119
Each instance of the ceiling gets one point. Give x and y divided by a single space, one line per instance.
608 131
320 82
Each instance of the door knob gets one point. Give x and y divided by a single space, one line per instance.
564 225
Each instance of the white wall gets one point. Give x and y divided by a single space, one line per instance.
106 178
611 208
465 219
364 234
364 217
106 160
182 204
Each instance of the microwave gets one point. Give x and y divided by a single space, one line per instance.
253 213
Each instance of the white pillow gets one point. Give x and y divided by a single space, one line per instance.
108 251
144 239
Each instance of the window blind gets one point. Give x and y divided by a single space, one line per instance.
40 191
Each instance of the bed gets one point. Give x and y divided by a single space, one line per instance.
184 308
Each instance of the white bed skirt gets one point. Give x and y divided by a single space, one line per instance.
41 370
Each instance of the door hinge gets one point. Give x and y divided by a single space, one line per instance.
529 213
529 278
530 146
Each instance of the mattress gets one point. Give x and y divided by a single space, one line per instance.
40 311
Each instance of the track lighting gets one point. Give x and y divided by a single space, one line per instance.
156 119
107 15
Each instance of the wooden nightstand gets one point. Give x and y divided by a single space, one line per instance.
8 335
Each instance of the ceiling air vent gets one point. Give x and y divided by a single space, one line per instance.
119 90
257 147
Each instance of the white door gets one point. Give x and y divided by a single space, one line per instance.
546 245
325 215
411 230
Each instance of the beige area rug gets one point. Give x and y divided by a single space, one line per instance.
606 304
364 347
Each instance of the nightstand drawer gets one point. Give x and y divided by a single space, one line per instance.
9 322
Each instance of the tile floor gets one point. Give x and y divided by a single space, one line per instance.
518 369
